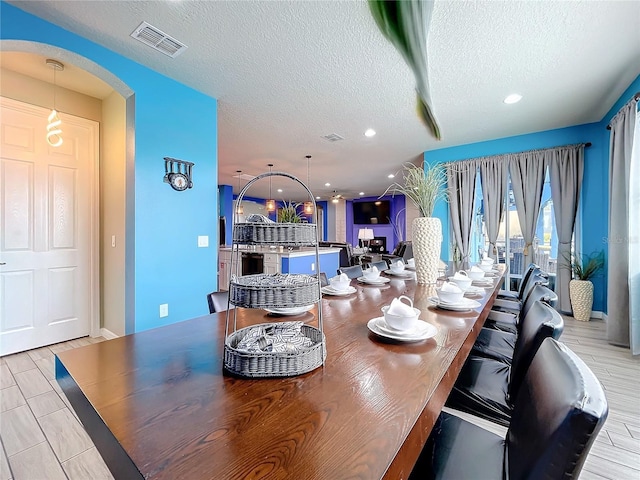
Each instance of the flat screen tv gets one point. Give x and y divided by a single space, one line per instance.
366 213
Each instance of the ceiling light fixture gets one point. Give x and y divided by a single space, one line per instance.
327 184
239 208
308 206
271 203
279 190
54 132
361 193
391 175
370 132
513 98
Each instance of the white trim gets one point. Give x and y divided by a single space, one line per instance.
599 316
108 334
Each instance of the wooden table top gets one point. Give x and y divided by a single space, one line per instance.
161 396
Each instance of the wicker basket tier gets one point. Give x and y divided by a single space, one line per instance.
274 290
274 364
292 234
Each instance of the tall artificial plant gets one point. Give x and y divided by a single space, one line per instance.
584 267
424 187
405 24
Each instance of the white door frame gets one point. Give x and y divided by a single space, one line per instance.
94 199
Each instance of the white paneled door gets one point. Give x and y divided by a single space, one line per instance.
48 221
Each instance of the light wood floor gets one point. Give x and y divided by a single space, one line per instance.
43 439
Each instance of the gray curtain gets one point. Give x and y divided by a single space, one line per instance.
566 166
527 171
493 177
461 185
618 298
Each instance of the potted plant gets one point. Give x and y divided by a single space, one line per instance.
424 187
583 268
289 213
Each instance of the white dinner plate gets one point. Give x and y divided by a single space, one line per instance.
289 310
403 273
474 291
423 331
462 306
329 290
377 281
485 282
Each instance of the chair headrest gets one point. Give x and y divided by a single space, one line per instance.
559 411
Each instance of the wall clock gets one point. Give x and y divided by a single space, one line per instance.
178 173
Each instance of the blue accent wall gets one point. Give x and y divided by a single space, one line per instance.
169 266
594 203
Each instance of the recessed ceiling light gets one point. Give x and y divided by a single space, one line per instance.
391 175
279 190
361 193
513 98
370 132
317 198
327 184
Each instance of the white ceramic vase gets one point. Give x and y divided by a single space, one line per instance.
581 294
427 241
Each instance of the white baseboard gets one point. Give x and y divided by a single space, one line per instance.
599 316
108 334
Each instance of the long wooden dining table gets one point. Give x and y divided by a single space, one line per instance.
158 404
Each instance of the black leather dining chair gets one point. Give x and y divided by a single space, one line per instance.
487 387
556 418
351 272
505 302
507 320
510 294
218 302
500 344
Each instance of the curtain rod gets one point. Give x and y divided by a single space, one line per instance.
635 97
475 159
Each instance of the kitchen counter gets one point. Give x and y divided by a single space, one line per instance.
298 252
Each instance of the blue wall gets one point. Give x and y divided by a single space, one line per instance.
169 267
594 198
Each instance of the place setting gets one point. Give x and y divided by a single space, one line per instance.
371 276
451 297
400 322
289 311
339 286
398 269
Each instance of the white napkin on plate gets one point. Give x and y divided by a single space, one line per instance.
477 269
342 278
339 282
450 287
411 262
398 307
372 272
399 265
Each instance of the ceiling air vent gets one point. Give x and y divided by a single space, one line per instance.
333 137
157 39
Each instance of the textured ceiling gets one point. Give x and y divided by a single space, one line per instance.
288 72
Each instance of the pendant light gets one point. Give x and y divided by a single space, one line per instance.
54 132
308 206
271 203
239 207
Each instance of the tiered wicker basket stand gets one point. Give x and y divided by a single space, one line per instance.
273 291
